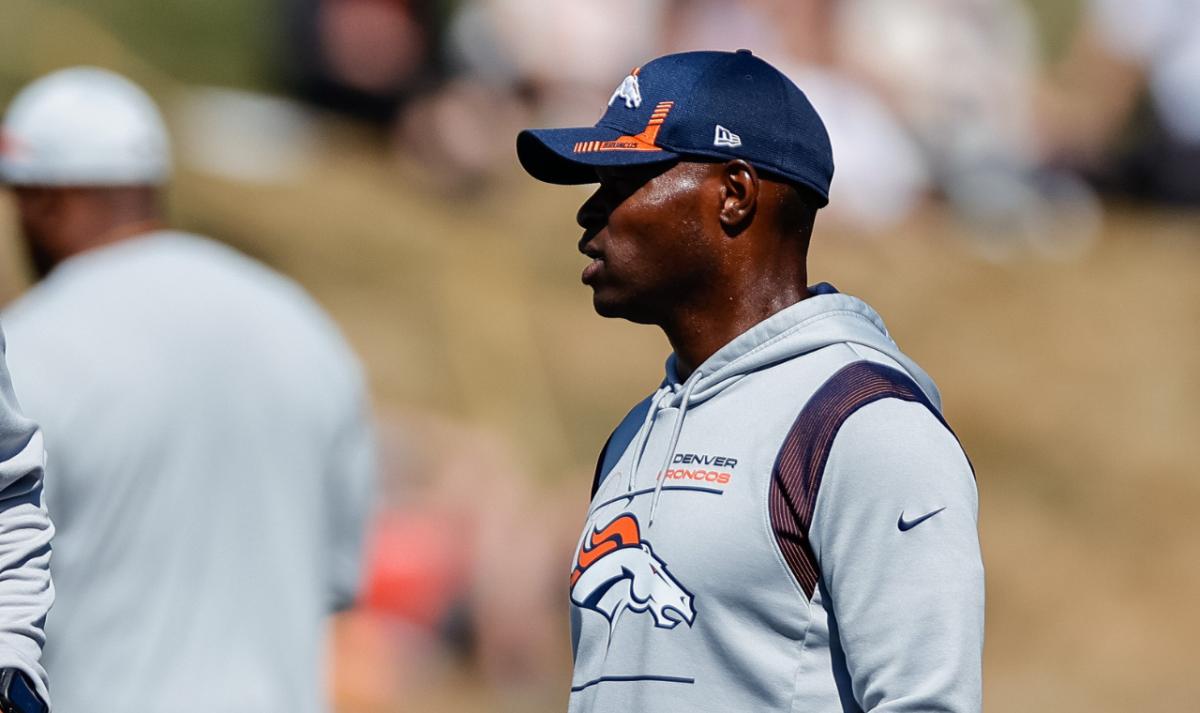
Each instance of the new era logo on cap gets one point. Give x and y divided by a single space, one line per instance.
725 137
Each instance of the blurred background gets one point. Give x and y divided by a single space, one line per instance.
1016 192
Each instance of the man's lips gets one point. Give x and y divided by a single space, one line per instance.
592 270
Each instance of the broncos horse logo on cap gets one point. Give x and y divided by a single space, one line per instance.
629 90
616 570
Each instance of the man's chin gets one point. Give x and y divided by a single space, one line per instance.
614 308
606 309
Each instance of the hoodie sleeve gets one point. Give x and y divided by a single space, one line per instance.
895 538
26 592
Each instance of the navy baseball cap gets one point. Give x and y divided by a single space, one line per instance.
721 105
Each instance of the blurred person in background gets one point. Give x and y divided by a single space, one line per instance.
961 77
212 461
508 61
1123 106
25 533
365 58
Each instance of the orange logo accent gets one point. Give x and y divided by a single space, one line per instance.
645 141
622 532
708 476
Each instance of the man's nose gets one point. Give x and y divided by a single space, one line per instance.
593 213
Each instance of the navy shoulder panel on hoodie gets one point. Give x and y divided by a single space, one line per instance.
796 478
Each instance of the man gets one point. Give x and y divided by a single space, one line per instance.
786 524
25 532
211 461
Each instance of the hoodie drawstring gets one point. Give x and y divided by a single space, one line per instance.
643 435
662 472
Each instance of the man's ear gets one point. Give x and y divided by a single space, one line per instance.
739 195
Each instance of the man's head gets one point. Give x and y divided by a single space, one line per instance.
85 153
682 234
711 167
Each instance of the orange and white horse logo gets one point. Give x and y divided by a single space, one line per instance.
616 570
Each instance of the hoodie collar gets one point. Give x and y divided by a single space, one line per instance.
827 317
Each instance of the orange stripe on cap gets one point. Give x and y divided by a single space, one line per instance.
644 141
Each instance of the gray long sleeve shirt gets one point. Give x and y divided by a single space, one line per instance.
210 472
26 592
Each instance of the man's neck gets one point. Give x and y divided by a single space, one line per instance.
116 233
697 333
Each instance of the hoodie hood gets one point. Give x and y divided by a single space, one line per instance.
828 317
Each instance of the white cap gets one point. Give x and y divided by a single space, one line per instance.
83 126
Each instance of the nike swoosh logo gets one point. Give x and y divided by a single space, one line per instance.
906 525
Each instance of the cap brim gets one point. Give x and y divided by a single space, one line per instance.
550 155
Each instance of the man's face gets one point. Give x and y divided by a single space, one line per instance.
644 230
36 211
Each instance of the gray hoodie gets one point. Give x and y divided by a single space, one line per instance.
791 528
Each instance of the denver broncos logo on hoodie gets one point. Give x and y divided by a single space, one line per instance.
616 570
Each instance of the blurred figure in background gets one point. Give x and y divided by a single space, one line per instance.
365 58
958 73
212 464
1123 107
510 60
